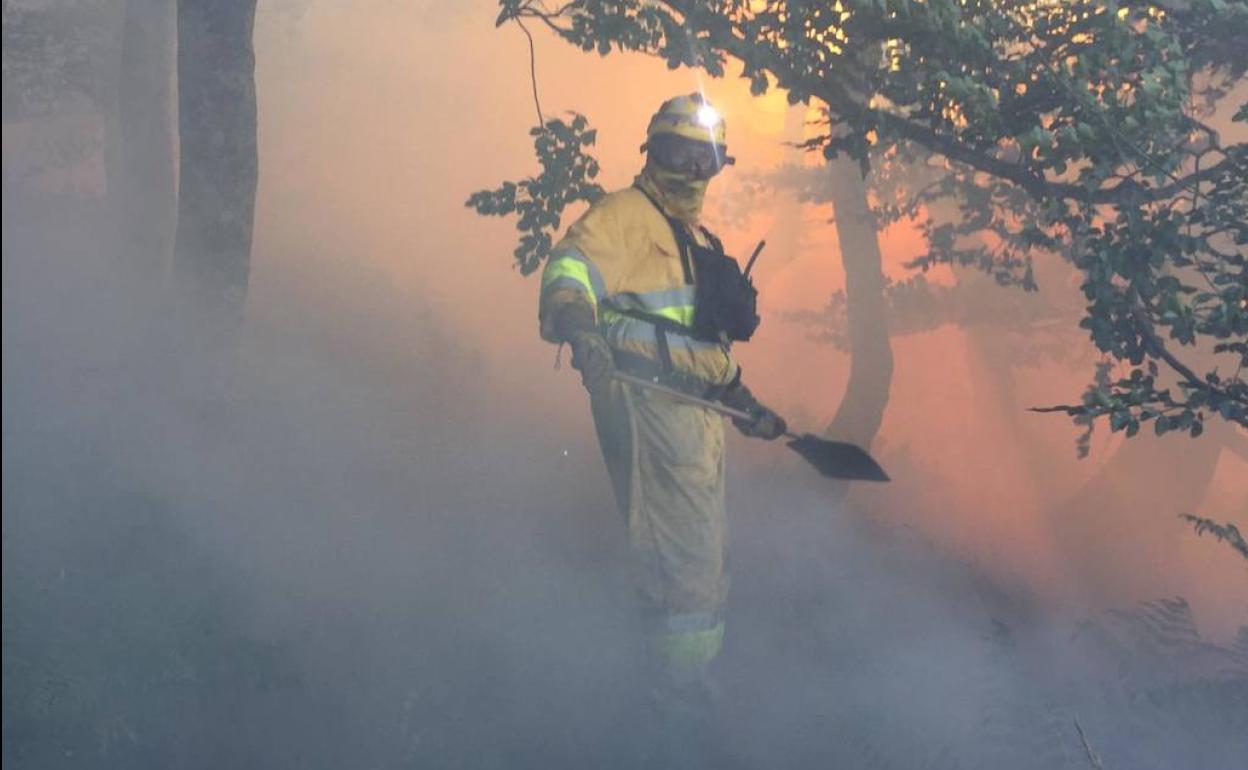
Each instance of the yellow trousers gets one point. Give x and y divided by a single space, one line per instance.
666 462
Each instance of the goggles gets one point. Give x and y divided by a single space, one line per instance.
699 160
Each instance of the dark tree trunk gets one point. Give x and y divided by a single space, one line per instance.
146 188
861 411
218 164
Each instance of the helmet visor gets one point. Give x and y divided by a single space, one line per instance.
699 160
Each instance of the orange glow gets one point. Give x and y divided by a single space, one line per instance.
376 126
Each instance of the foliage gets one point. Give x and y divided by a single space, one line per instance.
1227 533
916 305
539 201
1067 127
981 296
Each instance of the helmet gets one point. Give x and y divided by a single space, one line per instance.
689 116
687 134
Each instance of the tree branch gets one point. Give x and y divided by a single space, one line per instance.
840 99
1037 186
1159 350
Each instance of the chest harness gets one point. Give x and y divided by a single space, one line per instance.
725 305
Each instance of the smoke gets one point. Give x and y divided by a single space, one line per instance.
379 534
357 550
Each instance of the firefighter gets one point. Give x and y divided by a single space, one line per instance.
639 285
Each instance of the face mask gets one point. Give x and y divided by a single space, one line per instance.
679 194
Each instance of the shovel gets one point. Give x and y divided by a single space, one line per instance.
834 459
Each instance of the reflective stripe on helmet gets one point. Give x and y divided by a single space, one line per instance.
687 116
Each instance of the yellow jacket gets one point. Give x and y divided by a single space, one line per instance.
621 255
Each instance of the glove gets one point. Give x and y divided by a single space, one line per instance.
591 355
764 423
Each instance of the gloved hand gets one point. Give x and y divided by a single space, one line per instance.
591 355
765 424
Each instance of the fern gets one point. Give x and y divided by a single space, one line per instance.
1227 533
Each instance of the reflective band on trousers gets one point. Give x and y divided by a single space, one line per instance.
569 267
688 651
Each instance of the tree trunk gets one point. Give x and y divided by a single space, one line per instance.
871 355
105 77
218 164
146 188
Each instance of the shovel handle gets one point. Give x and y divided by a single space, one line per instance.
680 395
834 459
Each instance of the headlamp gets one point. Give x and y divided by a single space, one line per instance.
708 116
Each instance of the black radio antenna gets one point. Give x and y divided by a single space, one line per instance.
754 257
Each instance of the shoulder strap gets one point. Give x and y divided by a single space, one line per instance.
678 232
710 237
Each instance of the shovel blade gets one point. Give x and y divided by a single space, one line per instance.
838 459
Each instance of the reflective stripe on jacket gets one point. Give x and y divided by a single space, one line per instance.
621 256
